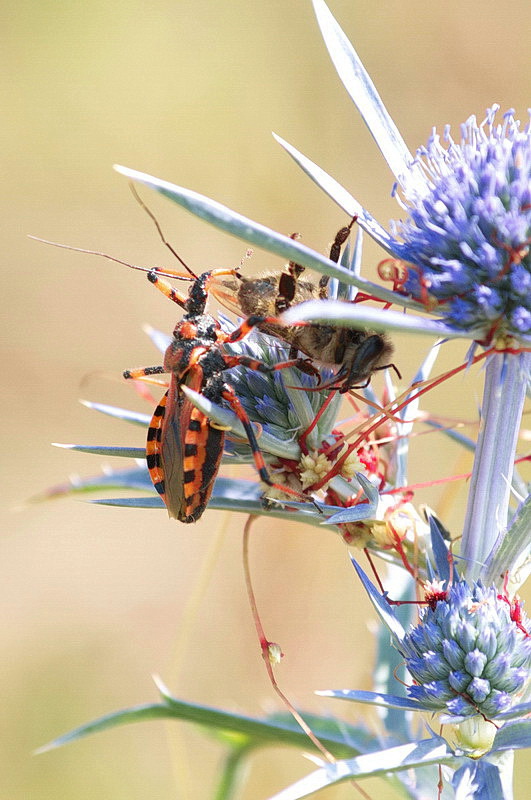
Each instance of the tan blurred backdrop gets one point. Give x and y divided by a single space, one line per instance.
95 600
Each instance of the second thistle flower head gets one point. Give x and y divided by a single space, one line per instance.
265 396
468 233
468 657
277 401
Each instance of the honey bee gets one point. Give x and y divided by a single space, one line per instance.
354 353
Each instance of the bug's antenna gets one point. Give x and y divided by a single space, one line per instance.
163 239
109 257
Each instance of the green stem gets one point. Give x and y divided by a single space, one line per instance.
233 773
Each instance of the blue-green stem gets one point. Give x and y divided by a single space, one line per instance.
488 503
504 761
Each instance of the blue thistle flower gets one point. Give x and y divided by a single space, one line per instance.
469 226
467 656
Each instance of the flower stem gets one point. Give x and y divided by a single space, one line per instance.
233 773
505 763
488 502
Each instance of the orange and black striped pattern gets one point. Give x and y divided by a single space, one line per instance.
184 461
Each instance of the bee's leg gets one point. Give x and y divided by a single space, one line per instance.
341 237
286 292
390 366
323 287
295 269
293 351
335 251
288 283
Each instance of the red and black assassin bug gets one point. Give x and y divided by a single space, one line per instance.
184 447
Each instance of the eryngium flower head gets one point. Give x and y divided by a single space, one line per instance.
277 401
469 226
468 656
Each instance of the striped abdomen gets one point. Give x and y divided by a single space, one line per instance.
183 454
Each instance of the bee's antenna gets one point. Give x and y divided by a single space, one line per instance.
163 239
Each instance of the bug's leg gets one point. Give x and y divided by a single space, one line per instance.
304 364
143 372
231 397
195 302
166 288
204 280
246 327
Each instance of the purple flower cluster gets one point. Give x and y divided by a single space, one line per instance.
468 233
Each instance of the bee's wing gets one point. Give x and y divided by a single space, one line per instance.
225 290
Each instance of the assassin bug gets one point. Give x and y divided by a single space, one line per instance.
357 353
184 447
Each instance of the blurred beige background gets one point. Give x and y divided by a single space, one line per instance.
95 600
